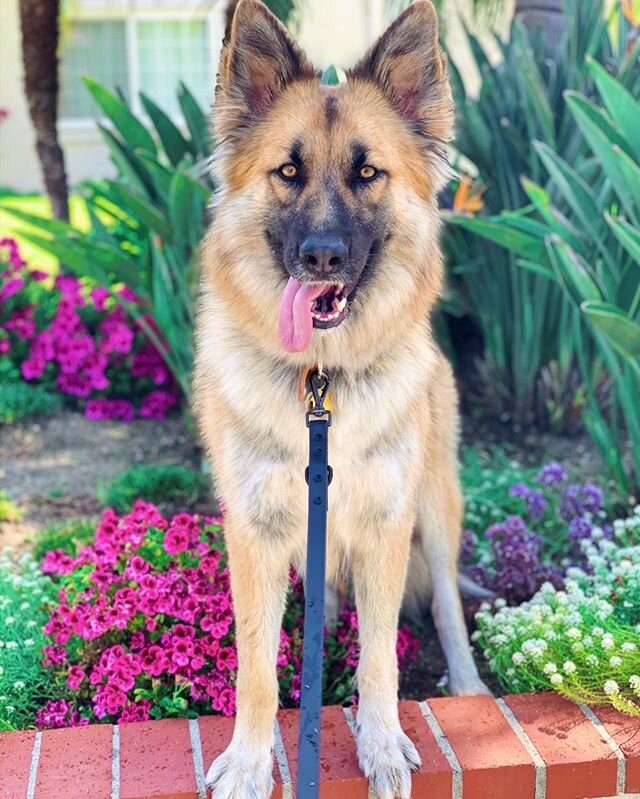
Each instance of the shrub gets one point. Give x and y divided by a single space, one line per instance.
147 224
584 236
69 537
162 485
21 401
529 365
583 641
78 342
529 528
143 626
24 592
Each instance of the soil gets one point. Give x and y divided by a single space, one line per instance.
52 468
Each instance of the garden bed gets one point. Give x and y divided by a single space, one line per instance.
529 746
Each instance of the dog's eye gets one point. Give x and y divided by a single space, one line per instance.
289 171
367 172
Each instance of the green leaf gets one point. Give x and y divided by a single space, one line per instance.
622 332
536 268
571 271
196 121
619 167
627 235
87 258
174 143
554 219
574 190
139 207
126 123
502 232
128 165
621 105
585 111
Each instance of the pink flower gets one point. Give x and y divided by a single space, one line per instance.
32 369
176 541
156 404
10 288
99 297
75 677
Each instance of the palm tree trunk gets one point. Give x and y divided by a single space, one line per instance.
40 32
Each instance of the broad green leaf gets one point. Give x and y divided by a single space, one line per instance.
622 332
586 110
619 167
571 271
503 233
196 121
160 175
52 226
128 165
627 235
126 123
139 207
623 108
87 258
536 268
174 143
554 219
536 102
574 190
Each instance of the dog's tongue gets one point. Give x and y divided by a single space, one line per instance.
295 323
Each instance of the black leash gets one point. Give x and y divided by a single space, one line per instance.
318 476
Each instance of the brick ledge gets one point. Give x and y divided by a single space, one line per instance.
530 746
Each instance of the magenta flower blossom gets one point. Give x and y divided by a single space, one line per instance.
143 625
81 342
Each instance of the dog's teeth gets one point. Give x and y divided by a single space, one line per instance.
342 304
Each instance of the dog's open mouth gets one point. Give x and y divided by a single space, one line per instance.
330 308
308 305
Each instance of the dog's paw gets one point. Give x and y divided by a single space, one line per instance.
467 685
387 760
238 775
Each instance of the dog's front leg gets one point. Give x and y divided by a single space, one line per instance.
259 576
386 754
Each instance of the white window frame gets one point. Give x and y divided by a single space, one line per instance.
131 16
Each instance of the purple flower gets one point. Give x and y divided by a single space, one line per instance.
552 474
580 499
535 502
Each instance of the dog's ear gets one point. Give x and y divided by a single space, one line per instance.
407 63
258 60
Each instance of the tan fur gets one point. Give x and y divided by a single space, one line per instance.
394 437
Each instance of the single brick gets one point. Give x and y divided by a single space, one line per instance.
156 760
435 777
340 775
625 730
495 763
76 762
16 749
215 735
580 763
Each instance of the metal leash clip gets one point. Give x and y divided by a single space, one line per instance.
316 396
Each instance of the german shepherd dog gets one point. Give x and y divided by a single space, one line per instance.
324 249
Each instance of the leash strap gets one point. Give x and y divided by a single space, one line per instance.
318 476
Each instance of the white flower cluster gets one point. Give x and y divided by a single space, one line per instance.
583 640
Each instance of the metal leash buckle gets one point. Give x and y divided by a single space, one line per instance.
317 387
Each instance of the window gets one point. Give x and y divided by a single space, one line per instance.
136 51
97 49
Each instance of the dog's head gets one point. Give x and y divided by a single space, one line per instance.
327 193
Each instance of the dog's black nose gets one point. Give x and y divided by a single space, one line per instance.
323 254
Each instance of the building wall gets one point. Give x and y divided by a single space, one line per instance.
331 31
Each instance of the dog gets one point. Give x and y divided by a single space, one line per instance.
324 249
